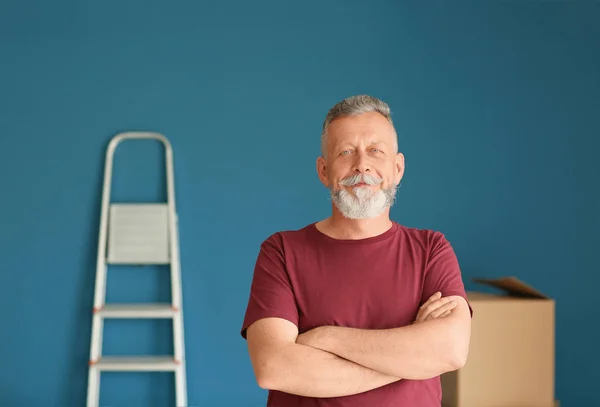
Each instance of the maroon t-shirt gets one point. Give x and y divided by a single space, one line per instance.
380 282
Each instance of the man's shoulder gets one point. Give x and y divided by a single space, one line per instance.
301 234
425 237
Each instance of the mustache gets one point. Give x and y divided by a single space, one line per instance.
358 178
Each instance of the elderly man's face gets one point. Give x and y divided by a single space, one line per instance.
362 168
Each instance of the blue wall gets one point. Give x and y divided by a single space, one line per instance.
497 109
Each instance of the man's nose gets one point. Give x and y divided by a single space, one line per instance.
362 164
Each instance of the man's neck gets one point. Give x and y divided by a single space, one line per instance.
339 227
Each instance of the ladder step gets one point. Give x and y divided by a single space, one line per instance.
137 311
136 363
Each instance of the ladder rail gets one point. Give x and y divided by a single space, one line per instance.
93 396
99 295
176 286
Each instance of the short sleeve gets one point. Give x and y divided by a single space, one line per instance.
442 271
271 293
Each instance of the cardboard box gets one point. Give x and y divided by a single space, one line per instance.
511 359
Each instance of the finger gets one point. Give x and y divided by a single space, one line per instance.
433 307
434 297
443 309
432 303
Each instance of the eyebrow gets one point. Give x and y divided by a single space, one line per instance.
346 144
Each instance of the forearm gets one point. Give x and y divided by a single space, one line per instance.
418 351
310 372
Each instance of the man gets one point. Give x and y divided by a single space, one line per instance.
357 310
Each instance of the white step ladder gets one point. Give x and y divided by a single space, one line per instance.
138 234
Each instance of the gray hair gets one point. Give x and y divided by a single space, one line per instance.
353 105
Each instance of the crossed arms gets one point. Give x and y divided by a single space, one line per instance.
334 361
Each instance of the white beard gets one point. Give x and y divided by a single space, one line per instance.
363 203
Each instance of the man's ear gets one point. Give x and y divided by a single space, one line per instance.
322 170
399 168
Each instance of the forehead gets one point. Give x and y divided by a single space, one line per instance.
369 127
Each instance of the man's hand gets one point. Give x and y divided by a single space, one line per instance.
435 307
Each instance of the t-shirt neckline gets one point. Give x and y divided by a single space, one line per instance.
373 239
